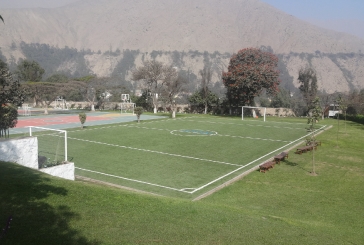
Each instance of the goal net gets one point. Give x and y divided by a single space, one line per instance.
127 107
52 146
253 112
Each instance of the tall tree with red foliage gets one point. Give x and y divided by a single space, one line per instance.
250 71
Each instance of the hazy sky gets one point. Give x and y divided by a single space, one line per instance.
321 9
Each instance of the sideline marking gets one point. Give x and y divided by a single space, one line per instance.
251 125
133 180
202 187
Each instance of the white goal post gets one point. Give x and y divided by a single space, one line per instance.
253 107
127 107
57 133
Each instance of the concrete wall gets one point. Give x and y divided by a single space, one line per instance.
65 171
23 151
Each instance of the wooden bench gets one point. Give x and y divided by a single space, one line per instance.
281 157
266 166
305 149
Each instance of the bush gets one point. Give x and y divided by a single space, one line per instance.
82 117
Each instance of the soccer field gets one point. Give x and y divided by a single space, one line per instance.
183 157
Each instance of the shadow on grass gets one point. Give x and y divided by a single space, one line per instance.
34 221
293 164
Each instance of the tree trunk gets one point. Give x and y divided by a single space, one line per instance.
206 108
173 113
313 161
46 109
92 107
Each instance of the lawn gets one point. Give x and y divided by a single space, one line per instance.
183 157
286 205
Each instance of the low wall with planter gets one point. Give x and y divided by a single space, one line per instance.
65 171
24 151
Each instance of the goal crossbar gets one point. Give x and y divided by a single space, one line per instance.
252 107
50 129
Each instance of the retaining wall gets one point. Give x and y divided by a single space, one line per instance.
24 151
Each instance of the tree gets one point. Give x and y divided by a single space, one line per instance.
308 85
8 118
94 91
198 101
250 71
281 99
155 75
43 93
311 141
82 116
138 111
11 96
57 78
206 75
29 71
174 84
315 113
343 106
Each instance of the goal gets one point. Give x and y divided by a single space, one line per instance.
52 145
256 111
126 106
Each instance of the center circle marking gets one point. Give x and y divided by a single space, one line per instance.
193 132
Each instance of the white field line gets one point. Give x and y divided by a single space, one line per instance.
202 187
242 137
157 152
133 180
162 129
253 120
251 125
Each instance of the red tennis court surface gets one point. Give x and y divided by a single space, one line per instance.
56 120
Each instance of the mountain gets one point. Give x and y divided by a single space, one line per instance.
185 26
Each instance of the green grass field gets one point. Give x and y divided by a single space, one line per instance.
286 205
183 157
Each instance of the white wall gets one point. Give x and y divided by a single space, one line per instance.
23 151
65 171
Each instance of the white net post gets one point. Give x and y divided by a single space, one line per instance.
252 107
26 110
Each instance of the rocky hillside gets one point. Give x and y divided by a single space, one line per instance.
184 27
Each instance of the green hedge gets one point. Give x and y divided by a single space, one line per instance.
353 118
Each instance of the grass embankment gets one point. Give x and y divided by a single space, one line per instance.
286 205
